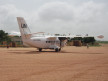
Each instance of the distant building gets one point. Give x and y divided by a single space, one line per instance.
15 40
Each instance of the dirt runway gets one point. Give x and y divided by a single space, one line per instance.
71 64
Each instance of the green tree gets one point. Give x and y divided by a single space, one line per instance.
89 40
77 38
4 37
83 40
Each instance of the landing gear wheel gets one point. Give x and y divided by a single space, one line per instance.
59 49
40 49
56 50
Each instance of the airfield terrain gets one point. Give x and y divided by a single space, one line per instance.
71 64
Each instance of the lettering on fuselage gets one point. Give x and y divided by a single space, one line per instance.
52 41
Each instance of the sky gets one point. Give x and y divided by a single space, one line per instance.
75 17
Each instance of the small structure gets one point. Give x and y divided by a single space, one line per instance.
77 43
15 41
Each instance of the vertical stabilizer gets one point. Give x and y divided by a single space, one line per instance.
25 31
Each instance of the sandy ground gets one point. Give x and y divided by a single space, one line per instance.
71 64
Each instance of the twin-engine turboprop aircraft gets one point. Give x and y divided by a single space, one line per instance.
40 41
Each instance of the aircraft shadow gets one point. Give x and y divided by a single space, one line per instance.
48 52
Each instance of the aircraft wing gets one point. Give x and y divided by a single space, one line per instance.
73 36
59 37
65 37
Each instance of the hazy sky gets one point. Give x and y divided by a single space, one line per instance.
56 16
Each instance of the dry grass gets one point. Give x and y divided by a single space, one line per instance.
71 64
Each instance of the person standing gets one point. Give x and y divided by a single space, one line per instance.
7 46
87 45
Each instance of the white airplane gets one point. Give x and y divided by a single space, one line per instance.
40 41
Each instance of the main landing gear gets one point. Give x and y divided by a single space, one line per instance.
40 49
57 49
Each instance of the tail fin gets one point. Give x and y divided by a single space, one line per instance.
25 31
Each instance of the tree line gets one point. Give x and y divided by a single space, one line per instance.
83 40
4 37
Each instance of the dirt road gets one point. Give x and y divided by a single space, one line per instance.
71 64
